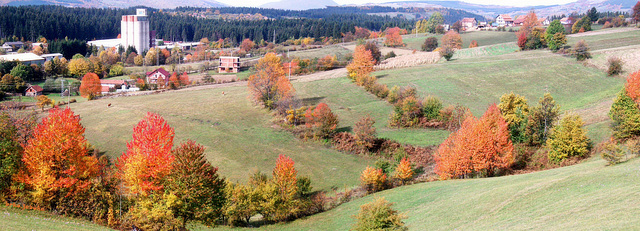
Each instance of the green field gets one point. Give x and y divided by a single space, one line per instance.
587 196
606 41
238 135
484 38
336 50
18 219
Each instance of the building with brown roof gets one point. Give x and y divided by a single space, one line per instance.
33 91
504 20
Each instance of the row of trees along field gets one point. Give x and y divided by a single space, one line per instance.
57 22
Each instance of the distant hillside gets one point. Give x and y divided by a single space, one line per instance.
299 4
491 11
159 4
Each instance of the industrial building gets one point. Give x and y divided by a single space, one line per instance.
134 31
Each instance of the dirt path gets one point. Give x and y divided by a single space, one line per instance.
601 32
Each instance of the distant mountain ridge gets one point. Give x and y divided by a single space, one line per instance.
158 4
299 4
491 11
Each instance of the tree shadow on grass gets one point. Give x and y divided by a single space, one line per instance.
344 129
312 100
382 76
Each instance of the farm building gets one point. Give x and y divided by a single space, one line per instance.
159 74
544 21
469 23
504 20
14 45
33 91
229 64
519 20
25 58
49 57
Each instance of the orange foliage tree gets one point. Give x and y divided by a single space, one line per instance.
480 147
361 65
373 179
56 159
90 86
530 22
247 45
362 33
633 86
269 84
148 158
285 176
404 171
173 81
393 38
184 79
452 39
321 122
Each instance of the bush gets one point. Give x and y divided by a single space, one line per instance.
407 113
581 51
365 132
625 117
447 52
612 152
431 106
373 179
379 215
321 123
568 139
389 55
473 44
430 44
375 51
615 66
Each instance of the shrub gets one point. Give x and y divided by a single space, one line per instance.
321 122
379 215
407 113
365 132
473 44
454 116
581 51
568 139
431 106
615 66
447 52
557 41
154 212
625 116
430 44
404 171
522 41
389 55
612 152
373 179
375 51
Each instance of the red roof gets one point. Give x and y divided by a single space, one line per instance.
104 89
520 19
161 70
506 17
468 20
112 81
36 87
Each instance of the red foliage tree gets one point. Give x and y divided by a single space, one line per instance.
361 65
174 81
452 39
522 41
480 147
321 121
362 33
90 86
148 158
393 38
285 176
247 45
56 157
633 86
184 79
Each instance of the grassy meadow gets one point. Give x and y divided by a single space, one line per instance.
484 38
238 135
587 196
18 219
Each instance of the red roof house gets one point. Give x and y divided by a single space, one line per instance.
159 74
33 91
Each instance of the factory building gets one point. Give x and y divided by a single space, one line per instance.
134 31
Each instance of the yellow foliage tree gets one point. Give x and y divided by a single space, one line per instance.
404 171
79 67
361 65
269 84
569 139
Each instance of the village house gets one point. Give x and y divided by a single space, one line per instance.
469 23
504 20
158 75
49 57
519 20
25 58
33 91
229 64
544 21
14 45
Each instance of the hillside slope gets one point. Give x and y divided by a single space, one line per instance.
587 196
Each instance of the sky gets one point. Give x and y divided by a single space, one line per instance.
256 3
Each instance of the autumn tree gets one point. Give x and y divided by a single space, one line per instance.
541 120
152 58
269 84
184 79
14 133
530 22
515 110
174 82
138 60
568 139
636 12
393 38
43 101
582 51
554 35
90 86
435 20
430 44
480 147
148 159
361 65
582 25
373 179
473 44
328 62
379 215
197 185
633 86
321 123
365 132
285 178
624 112
56 159
404 171
247 45
79 67
452 39
375 51
457 26
362 33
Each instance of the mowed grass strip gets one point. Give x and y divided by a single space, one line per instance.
587 196
238 135
19 219
484 38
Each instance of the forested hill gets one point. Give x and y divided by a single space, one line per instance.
56 22
450 15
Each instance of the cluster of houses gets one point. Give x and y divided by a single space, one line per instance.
27 58
505 20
